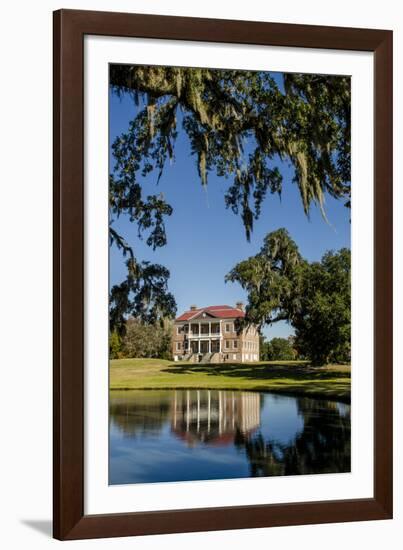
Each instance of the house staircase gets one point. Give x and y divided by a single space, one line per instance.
205 358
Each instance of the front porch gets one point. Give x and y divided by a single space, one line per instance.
204 345
203 329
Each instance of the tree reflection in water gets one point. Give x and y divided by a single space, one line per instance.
323 446
138 413
235 420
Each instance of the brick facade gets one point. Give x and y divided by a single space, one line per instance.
210 335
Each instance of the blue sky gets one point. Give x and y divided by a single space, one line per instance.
205 240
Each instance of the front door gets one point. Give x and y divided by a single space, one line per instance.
204 347
194 346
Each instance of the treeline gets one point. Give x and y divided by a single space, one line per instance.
142 340
278 349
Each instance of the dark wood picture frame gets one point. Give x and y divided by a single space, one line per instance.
70 27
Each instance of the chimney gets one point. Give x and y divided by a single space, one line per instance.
193 307
239 305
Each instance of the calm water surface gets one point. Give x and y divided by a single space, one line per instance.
180 435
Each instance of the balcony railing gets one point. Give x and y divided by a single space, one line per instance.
203 334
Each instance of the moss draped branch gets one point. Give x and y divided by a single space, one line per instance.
240 125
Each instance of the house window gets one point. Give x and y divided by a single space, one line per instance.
227 344
178 346
179 330
215 328
234 356
215 346
235 344
227 327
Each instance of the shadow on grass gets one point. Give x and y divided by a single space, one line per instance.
261 371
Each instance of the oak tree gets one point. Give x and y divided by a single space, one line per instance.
314 297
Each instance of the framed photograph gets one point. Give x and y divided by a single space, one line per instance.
222 274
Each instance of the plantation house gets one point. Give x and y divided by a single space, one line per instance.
209 335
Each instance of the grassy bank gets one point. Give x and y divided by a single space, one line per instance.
296 378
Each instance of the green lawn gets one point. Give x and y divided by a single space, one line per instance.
296 378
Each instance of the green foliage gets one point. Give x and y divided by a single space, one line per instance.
115 345
239 124
272 279
278 349
144 293
323 321
314 297
222 110
145 340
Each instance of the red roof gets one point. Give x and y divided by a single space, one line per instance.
221 312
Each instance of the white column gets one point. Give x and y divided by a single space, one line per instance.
187 410
175 405
233 410
198 410
219 412
220 334
224 408
208 410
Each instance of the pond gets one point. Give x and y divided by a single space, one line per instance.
183 435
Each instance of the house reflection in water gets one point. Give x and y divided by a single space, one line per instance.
214 417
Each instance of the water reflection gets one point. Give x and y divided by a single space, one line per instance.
323 445
214 417
175 435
